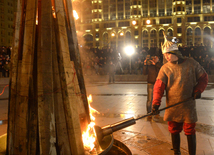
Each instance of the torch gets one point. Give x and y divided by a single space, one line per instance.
106 130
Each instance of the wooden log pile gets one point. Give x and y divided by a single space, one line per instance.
48 106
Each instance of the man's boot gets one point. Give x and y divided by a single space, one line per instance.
176 143
191 144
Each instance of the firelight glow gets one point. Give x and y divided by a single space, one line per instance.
75 14
89 136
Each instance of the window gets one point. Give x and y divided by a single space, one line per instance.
207 31
127 15
188 2
189 32
208 18
122 24
153 33
161 33
153 13
136 32
145 13
166 21
105 8
105 16
179 30
120 7
193 19
170 33
135 12
197 9
97 35
206 9
152 3
206 2
113 8
169 11
197 2
161 12
127 6
178 8
178 20
145 34
197 31
145 4
189 10
120 15
107 25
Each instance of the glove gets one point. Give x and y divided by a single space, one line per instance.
196 95
155 109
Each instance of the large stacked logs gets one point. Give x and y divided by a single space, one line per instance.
47 92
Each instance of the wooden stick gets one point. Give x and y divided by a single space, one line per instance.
46 115
61 126
75 54
13 78
21 120
66 77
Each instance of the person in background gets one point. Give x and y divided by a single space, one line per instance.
6 69
111 72
184 79
151 68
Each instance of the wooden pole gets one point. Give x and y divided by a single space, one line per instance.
46 115
75 54
13 75
25 76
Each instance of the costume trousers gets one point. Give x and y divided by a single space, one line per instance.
176 128
150 87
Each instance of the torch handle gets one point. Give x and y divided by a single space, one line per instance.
106 130
191 98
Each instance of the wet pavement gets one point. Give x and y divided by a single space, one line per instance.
149 136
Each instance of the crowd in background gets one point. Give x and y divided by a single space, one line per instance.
5 53
96 61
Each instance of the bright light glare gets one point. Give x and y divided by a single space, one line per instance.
75 14
134 22
148 21
129 50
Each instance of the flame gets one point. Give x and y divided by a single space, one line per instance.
89 136
75 14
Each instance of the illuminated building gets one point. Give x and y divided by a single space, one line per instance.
191 21
7 12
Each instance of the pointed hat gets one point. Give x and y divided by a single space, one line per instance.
168 46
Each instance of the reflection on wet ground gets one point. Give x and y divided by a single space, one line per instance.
202 98
145 144
202 128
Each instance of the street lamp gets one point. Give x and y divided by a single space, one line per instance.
129 50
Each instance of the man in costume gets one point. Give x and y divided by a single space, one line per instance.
184 80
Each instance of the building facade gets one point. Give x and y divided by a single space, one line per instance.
116 23
7 14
